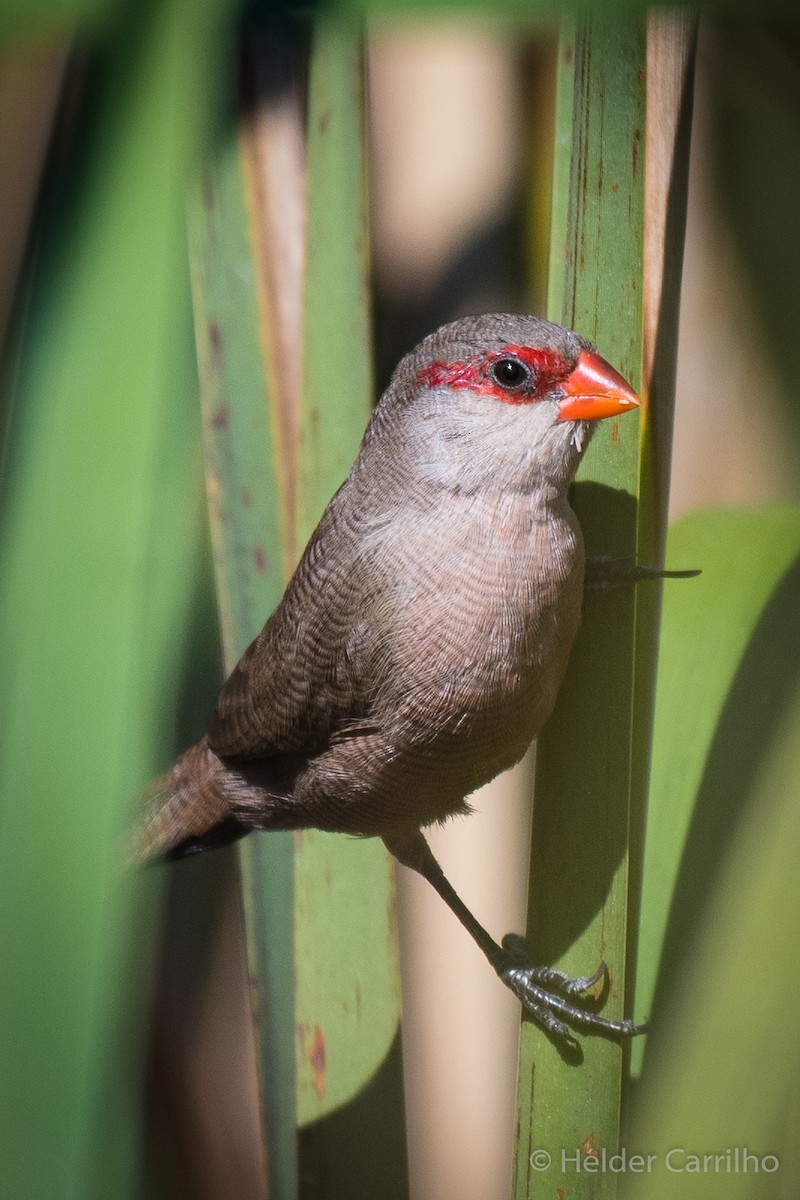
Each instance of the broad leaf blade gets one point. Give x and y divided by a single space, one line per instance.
348 988
93 603
719 947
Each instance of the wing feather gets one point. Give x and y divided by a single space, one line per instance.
293 686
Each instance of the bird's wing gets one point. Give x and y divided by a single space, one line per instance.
295 685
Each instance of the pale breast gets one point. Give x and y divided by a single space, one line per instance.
475 631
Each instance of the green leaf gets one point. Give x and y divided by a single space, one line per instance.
26 19
709 733
98 544
242 460
578 893
319 909
719 952
348 986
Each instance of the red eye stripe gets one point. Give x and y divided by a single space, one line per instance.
547 367
444 374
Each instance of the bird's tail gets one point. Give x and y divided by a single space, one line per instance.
185 810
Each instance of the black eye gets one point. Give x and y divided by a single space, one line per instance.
509 372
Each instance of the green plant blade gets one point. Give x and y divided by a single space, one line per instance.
245 503
578 891
348 990
93 605
697 793
718 947
323 962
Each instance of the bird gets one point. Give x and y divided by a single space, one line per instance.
421 642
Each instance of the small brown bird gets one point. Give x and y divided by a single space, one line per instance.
422 640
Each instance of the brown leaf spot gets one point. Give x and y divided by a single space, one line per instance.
316 1057
215 341
259 559
247 497
589 1147
324 120
637 137
221 417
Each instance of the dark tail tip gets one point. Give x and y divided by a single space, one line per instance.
227 831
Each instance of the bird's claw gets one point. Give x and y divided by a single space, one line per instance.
545 992
604 573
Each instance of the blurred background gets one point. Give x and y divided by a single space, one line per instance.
459 111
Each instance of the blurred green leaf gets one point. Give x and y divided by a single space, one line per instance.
98 544
246 507
323 965
719 949
726 670
21 20
348 984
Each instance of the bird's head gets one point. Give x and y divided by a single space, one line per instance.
501 400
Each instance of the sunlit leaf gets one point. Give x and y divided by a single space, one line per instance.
719 949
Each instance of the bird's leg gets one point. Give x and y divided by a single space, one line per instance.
544 991
604 573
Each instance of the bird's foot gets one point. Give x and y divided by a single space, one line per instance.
546 994
604 573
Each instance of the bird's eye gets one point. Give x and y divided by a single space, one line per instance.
509 372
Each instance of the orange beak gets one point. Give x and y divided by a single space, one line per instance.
595 390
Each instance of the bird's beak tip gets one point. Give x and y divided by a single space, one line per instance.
594 390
